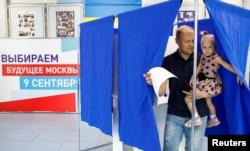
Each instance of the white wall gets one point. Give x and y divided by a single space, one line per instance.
189 5
245 3
33 1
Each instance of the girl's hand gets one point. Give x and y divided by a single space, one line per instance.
191 82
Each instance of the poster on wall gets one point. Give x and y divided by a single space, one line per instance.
39 75
187 12
26 21
63 20
3 18
185 16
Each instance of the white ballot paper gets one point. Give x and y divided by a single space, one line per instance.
159 75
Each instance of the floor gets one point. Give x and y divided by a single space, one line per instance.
50 132
54 132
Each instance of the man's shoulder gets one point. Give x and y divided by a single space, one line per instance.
169 59
172 55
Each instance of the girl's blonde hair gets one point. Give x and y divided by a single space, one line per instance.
207 36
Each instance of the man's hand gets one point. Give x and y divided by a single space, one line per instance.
147 76
199 94
239 80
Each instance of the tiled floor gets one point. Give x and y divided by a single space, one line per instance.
49 132
56 132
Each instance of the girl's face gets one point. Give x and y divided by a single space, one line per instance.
207 47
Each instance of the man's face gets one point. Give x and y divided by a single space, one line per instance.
186 42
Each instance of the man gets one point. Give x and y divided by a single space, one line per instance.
180 63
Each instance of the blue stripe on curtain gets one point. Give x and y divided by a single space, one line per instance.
142 39
96 52
231 24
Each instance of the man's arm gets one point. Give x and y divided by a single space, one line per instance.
199 94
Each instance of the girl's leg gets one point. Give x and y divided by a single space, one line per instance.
189 103
210 106
198 121
213 121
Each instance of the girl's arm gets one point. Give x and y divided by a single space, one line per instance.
197 71
223 63
226 65
198 68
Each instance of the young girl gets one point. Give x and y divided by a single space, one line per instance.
208 79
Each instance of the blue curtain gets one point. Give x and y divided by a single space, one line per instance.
142 39
231 26
96 54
